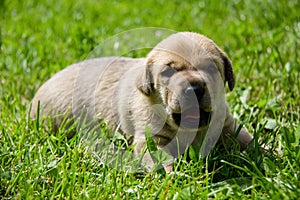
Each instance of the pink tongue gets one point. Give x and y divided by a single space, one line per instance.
192 114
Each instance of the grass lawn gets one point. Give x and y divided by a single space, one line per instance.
262 38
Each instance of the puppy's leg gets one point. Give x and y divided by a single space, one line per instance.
230 126
147 160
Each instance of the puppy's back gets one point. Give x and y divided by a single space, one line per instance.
82 88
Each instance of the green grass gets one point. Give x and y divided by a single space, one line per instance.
38 38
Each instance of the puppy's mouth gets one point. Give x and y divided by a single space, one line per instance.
192 118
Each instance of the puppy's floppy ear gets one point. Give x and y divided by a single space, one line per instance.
144 81
229 75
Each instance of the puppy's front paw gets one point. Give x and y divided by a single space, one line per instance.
168 167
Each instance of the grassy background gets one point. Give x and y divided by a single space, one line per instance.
262 38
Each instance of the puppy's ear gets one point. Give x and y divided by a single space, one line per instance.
229 75
144 81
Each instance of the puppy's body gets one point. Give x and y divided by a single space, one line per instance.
76 88
174 90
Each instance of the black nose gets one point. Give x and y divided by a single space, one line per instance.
194 91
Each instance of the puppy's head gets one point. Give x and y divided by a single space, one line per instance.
182 72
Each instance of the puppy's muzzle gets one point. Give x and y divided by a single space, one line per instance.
192 116
194 92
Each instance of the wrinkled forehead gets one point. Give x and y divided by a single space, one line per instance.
179 63
181 49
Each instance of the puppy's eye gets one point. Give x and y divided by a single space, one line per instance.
168 72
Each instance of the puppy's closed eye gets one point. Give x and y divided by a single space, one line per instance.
168 72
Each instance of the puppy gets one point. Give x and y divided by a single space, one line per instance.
177 91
